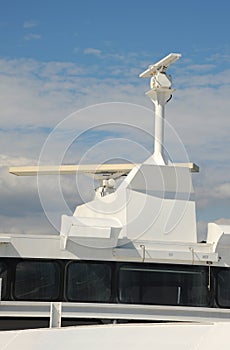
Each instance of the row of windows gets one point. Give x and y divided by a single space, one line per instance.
81 281
55 280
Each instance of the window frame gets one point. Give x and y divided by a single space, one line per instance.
217 289
161 267
112 267
58 282
5 293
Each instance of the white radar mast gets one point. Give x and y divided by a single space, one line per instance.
160 93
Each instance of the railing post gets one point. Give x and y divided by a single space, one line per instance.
0 289
55 314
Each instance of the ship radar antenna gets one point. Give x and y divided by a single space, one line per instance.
160 93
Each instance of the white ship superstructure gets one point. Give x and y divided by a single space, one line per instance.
124 264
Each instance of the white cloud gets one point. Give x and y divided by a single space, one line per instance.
30 24
32 36
92 51
221 191
202 231
223 221
21 209
103 55
31 224
201 67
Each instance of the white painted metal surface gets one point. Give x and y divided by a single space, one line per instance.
104 169
173 336
114 312
149 218
160 94
161 65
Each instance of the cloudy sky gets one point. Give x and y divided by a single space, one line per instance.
69 72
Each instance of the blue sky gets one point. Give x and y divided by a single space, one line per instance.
59 56
81 31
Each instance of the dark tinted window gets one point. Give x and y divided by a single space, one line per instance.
3 276
89 282
223 288
37 280
165 286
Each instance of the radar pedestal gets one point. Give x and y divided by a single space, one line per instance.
159 96
160 93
